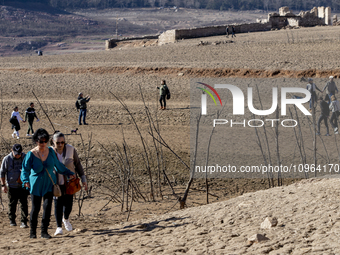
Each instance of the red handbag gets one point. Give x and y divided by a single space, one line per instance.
72 186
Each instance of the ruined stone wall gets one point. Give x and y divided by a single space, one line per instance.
168 36
328 20
111 43
178 34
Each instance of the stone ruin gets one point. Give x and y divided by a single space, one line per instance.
285 17
318 16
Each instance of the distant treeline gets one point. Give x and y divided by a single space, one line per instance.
265 5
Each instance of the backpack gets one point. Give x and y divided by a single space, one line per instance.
77 105
13 120
167 92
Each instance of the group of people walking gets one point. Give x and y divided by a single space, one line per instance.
35 173
327 104
15 120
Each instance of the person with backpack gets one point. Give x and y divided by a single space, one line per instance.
15 121
335 107
324 115
164 93
81 105
10 172
29 116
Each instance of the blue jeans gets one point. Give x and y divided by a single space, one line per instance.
82 112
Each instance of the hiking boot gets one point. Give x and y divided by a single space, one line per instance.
45 235
67 225
161 108
164 108
33 233
28 135
59 231
13 223
318 133
23 225
327 134
80 124
85 124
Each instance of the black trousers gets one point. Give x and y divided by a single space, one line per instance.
30 127
62 206
323 118
162 99
47 206
15 195
334 120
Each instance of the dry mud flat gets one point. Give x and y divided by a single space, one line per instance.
307 214
57 80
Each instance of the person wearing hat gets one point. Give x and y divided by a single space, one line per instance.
330 88
311 87
324 115
82 107
10 172
335 107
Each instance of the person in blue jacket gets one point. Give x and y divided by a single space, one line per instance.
36 164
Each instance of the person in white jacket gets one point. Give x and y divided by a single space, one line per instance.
15 120
335 107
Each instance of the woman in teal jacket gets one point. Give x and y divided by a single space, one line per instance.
35 177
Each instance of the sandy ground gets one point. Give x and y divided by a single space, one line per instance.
56 80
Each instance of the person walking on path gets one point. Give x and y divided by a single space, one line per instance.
335 107
311 87
82 107
37 175
233 32
15 121
330 88
29 116
227 31
10 172
163 92
324 115
67 155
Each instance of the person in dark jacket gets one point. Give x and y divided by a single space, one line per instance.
311 87
233 32
10 171
82 107
163 91
227 31
324 115
29 116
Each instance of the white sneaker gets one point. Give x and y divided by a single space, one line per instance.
18 137
28 135
13 135
67 225
335 129
59 231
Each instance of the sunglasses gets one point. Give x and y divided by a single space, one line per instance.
40 141
60 143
